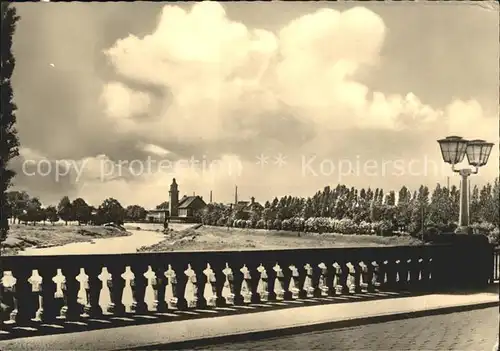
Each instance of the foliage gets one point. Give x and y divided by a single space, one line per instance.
8 134
334 210
81 212
65 209
162 206
51 213
136 213
111 211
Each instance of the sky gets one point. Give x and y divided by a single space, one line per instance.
278 98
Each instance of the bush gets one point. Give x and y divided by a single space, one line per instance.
277 224
375 227
386 228
286 224
269 224
347 226
494 236
261 224
221 221
364 228
298 224
484 228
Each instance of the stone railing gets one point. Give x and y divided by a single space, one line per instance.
54 292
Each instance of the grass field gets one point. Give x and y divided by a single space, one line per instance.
23 236
220 239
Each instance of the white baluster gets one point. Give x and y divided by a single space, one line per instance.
60 280
322 284
420 260
293 287
430 268
364 270
83 297
262 286
336 278
308 283
36 286
128 299
170 289
385 271
191 288
151 293
408 266
246 290
227 289
351 279
105 300
209 293
9 283
398 267
278 282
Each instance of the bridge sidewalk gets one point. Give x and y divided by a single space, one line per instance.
181 334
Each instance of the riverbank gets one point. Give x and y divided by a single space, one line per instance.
22 237
222 239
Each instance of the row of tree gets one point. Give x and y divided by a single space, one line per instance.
340 209
351 210
26 209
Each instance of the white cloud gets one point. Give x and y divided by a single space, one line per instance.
154 149
224 77
123 102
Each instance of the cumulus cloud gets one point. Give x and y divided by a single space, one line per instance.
123 102
225 79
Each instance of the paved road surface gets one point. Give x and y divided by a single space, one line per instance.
473 330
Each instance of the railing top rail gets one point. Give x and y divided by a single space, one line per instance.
344 253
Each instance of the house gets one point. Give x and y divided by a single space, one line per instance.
157 216
184 209
248 206
189 205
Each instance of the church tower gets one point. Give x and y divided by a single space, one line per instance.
173 205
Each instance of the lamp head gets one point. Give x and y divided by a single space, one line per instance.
453 149
478 152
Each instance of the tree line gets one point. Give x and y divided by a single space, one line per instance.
336 210
367 211
25 209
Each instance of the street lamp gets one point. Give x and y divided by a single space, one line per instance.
454 149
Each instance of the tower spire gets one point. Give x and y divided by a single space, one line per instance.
235 194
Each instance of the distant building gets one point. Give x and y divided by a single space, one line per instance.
184 209
174 199
157 216
189 205
248 206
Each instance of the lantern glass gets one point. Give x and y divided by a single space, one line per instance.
478 152
453 149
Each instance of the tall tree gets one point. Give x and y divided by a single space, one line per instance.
34 210
81 211
135 213
64 210
475 206
8 135
112 211
51 213
390 199
18 202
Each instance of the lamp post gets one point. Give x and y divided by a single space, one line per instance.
453 150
